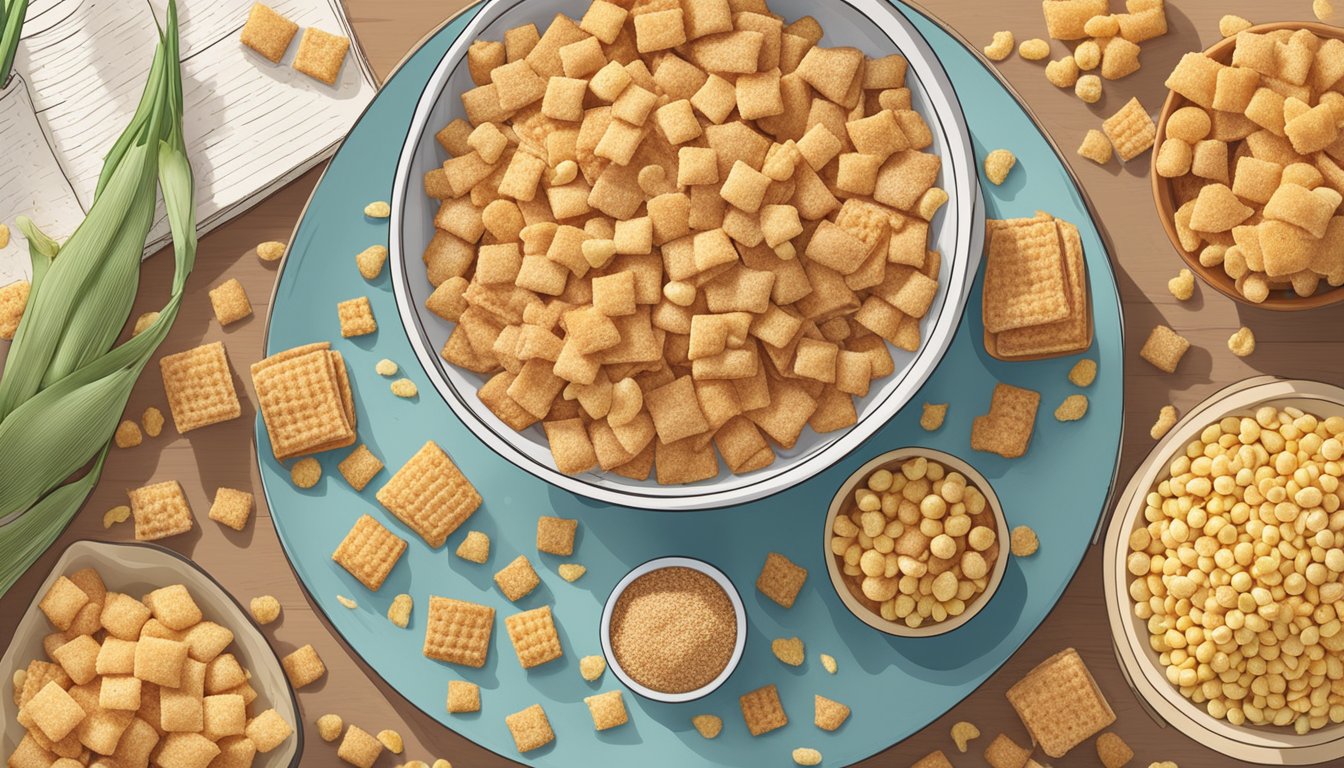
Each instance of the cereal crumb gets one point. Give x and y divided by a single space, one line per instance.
1324 9
348 602
117 514
1182 286
305 473
592 667
1166 419
265 609
1113 751
4 235
405 388
571 572
378 209
441 763
1164 764
932 417
1023 542
998 164
1088 88
399 612
1034 49
788 650
392 740
270 250
386 367
1096 147
1230 25
806 756
128 434
964 733
143 322
371 260
1073 408
1000 47
152 421
1242 343
1083 373
707 726
828 663
329 727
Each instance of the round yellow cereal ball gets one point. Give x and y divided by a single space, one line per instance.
265 609
305 473
1088 88
981 538
1174 157
1189 124
1034 49
1023 542
1087 55
973 565
329 727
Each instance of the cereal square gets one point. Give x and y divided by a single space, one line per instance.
475 547
303 666
659 30
180 711
1131 130
174 607
232 508
534 636
123 616
305 400
356 317
321 55
1164 348
530 727
224 715
555 535
829 715
430 494
268 32
229 301
359 748
268 730
607 709
458 632
62 603
1060 704
369 552
115 657
780 579
762 710
54 711
79 658
160 661
119 692
1003 752
199 386
160 511
360 467
517 579
463 697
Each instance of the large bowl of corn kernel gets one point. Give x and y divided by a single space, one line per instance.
1225 573
916 542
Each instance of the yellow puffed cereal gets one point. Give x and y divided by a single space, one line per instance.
348 602
152 421
828 663
378 209
1073 408
1230 25
1087 55
371 260
118 514
1166 419
571 572
1242 343
1062 73
143 322
392 740
399 612
1174 158
1083 373
592 667
270 250
806 756
1001 47
932 417
329 727
963 733
707 726
1182 286
1023 541
265 609
1034 49
386 367
405 388
1096 147
305 473
1324 9
998 164
128 434
1088 88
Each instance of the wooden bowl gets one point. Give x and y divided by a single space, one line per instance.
1164 193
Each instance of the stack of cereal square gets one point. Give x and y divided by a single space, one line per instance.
1035 296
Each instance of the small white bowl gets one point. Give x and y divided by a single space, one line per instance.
739 611
1266 745
136 569
890 460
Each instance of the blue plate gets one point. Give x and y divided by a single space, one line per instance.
894 686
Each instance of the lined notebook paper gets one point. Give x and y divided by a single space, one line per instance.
251 126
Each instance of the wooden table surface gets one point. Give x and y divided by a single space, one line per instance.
251 563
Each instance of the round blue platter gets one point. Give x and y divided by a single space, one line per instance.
894 686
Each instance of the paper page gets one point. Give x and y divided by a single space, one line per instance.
33 183
250 125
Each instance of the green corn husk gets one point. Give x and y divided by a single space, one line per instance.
64 388
11 27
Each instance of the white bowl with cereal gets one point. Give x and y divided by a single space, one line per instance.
916 542
566 415
135 570
1221 532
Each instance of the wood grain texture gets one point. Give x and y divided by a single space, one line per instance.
251 563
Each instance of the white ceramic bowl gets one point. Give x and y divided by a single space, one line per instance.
957 232
1265 745
136 569
892 460
739 611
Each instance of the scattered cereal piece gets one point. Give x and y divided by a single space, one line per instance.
530 727
399 612
442 763
230 302
1113 751
4 235
1324 9
935 759
369 552
932 417
117 514
828 714
143 322
762 710
267 32
998 164
304 666
555 535
463 697
1182 286
160 511
607 710
1164 348
1164 764
1087 55
356 316
371 260
232 508
1063 73
1008 427
1083 373
378 210
392 740
305 473
1073 408
708 726
780 579
128 434
329 727
1166 419
13 301
592 667
265 609
405 388
1060 704
788 650
271 250
1088 88
152 421
475 547
828 663
320 57
1003 752
1096 147
1023 542
1001 47
1131 130
359 748
1034 49
806 756
348 602
963 733
517 579
199 386
360 467
571 572
386 367
1242 343
1230 25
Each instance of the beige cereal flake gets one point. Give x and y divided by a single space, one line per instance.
1242 343
1166 419
305 473
592 667
788 650
932 417
127 435
1000 47
117 514
571 572
321 55
265 609
399 611
13 301
370 261
271 250
152 421
1073 408
160 511
828 663
963 733
143 322
1083 373
828 714
998 164
1034 49
708 726
1096 147
806 756
475 547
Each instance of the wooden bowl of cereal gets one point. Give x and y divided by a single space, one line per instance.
1255 211
1183 537
939 542
673 629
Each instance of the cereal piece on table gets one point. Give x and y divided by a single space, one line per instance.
430 495
303 666
118 514
1000 47
963 733
780 579
1023 543
1060 703
1324 10
267 32
392 740
1073 408
386 367
1034 49
359 748
1083 373
788 650
232 508
708 726
1096 147
829 715
458 632
1164 348
321 55
933 760
571 572
475 547
360 467
1063 73
607 709
517 579
1242 343
1113 751
530 728
592 667
305 473
555 535
1088 89
142 323
463 697
369 552
1130 130
1120 59
230 302
1182 287
264 609
1067 19
370 261
762 710
1003 752
128 435
152 421
1166 419
1025 282
356 317
1230 25
998 164
199 386
1007 428
271 250
160 511
828 663
329 727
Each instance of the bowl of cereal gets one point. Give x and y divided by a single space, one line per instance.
1228 540
1248 178
916 542
620 257
673 629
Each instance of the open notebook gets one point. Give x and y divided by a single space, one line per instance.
251 126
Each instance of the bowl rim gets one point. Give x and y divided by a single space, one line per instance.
963 256
1166 208
837 577
1267 745
178 561
658 564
